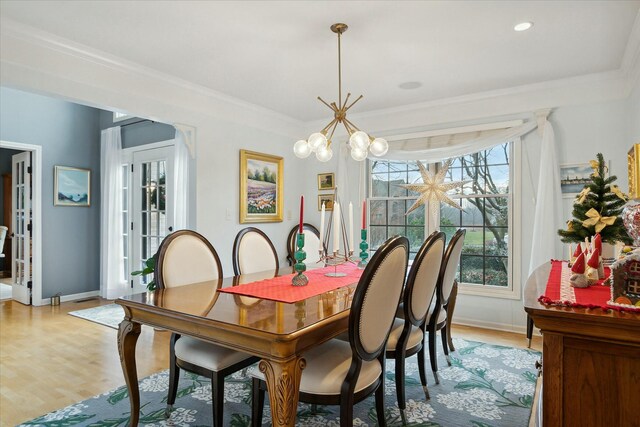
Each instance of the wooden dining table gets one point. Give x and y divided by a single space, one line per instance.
279 333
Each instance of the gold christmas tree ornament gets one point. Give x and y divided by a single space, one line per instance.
434 189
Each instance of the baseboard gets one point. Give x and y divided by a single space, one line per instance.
72 297
506 327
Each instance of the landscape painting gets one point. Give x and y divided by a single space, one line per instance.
573 178
261 187
72 186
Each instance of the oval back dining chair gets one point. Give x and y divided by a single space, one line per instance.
407 335
253 252
311 244
186 257
438 317
343 373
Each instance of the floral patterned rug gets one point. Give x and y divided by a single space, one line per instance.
486 386
108 315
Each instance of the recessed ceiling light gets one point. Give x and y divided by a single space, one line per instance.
410 85
523 26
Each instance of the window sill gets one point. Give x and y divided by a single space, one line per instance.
488 291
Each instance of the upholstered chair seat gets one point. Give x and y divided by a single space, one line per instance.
327 368
416 335
442 314
209 356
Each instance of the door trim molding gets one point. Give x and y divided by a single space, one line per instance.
36 197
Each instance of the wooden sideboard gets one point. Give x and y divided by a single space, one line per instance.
590 362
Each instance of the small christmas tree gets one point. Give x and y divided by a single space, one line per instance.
597 209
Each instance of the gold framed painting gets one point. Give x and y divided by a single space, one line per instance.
326 181
328 200
261 187
71 186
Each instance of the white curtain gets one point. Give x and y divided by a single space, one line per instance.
113 284
181 182
438 148
548 214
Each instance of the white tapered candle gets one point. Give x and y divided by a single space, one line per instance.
322 212
336 227
350 226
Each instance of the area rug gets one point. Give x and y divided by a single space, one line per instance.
109 315
486 386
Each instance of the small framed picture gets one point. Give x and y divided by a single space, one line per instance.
573 178
328 200
71 186
326 181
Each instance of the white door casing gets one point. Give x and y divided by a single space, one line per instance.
151 201
21 215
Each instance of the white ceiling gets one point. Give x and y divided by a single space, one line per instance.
282 55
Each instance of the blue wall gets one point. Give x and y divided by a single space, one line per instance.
70 136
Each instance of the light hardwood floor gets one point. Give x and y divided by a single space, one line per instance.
49 359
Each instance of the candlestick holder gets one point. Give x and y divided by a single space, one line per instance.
363 249
300 267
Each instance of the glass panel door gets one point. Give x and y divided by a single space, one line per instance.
21 227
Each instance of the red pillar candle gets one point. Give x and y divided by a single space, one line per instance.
364 214
301 213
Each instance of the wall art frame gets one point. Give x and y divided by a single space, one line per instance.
261 187
71 186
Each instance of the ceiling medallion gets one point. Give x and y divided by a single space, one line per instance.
360 143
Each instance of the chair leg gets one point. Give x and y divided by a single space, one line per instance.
423 372
445 344
174 376
451 305
382 422
346 410
529 330
400 392
257 403
432 354
217 388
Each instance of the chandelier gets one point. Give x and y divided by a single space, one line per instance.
359 142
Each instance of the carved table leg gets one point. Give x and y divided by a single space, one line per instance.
128 333
451 305
283 384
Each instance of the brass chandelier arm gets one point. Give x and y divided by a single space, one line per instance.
347 100
323 101
354 102
339 72
350 124
335 125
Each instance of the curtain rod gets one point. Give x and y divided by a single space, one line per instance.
136 122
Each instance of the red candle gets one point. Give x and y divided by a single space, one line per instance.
364 214
301 213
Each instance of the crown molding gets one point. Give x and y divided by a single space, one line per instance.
50 42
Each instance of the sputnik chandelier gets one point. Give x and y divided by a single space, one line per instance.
359 142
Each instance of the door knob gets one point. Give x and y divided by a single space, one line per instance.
170 228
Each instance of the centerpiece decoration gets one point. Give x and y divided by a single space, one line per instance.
300 279
596 210
340 239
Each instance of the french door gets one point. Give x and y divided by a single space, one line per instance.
150 193
21 228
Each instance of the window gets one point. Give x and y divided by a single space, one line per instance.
488 206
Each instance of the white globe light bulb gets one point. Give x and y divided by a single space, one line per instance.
379 147
301 149
316 141
358 154
324 154
359 140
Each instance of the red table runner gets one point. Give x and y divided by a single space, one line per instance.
280 288
560 292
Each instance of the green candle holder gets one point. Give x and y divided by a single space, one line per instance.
300 267
364 254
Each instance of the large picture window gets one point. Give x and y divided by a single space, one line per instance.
487 202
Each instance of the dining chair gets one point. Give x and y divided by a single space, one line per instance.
253 252
346 372
407 335
311 244
438 313
186 257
